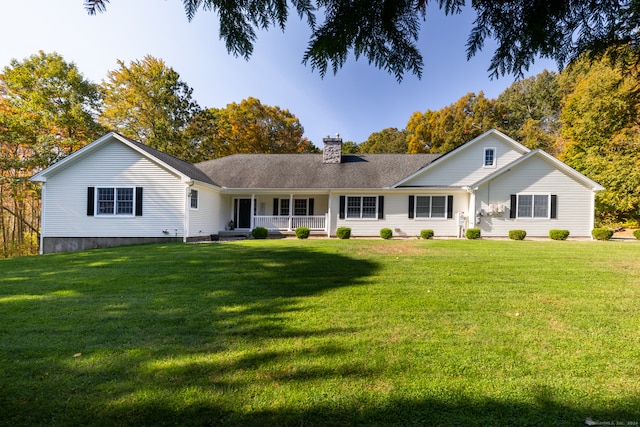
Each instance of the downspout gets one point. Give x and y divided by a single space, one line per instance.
43 194
187 208
592 218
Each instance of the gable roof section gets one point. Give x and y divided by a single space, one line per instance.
185 170
307 171
493 132
587 182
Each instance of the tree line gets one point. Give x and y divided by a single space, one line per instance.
48 110
586 115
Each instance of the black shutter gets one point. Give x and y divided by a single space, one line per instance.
512 209
91 193
138 201
380 207
554 206
275 207
343 202
412 206
450 207
310 206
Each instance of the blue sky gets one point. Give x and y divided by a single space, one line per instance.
357 101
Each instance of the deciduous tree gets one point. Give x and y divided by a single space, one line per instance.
247 127
148 102
47 111
389 140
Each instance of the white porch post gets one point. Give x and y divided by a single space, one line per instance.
327 220
253 218
472 208
290 211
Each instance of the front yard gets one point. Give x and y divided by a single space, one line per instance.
323 332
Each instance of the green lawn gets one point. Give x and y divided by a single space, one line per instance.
323 332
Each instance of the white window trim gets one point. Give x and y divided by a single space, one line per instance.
360 218
97 212
197 194
532 217
430 218
484 158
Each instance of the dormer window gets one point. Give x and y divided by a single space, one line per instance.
489 157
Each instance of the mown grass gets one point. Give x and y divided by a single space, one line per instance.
323 332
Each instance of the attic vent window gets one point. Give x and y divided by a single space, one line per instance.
489 157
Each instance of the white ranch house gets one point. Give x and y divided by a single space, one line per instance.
119 191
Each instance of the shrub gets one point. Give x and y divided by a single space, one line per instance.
636 234
473 233
386 233
602 233
558 234
343 232
302 232
426 234
260 233
517 234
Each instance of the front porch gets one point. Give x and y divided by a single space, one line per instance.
287 213
290 223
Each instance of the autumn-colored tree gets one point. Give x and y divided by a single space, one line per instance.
247 127
389 140
529 111
47 111
601 135
148 102
443 130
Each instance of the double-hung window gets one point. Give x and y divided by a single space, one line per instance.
431 206
300 207
114 201
533 206
362 207
489 157
194 199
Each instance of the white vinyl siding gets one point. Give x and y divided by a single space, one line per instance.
204 220
466 167
574 210
118 166
396 218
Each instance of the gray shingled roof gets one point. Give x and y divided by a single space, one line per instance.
290 171
180 165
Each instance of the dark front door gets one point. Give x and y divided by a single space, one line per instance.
242 215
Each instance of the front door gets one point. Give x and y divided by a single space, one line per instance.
242 213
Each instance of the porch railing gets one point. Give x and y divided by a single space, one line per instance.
290 223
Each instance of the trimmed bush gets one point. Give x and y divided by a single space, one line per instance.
558 234
517 234
343 232
636 234
386 233
302 232
602 233
473 233
260 233
426 234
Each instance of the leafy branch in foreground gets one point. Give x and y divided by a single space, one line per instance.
386 32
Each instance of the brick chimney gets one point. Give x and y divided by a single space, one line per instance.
332 152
